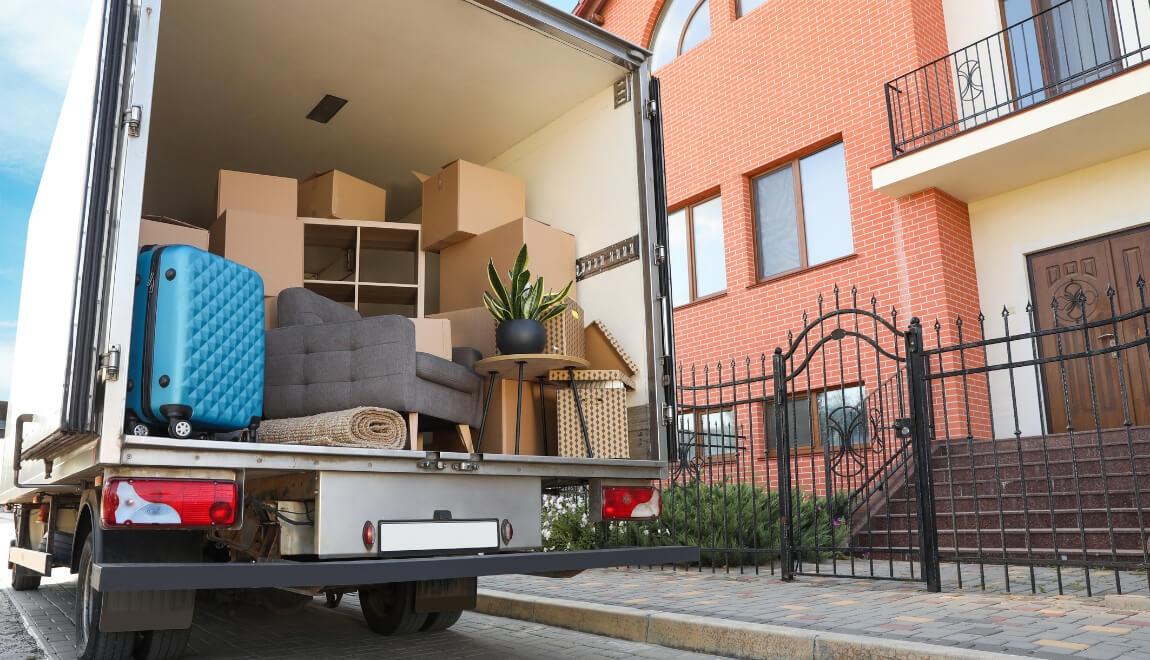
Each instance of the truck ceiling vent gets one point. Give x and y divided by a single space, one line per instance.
327 107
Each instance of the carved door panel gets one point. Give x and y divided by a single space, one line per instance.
1070 291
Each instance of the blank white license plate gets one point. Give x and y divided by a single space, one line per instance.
425 535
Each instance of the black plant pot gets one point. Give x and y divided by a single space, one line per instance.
519 336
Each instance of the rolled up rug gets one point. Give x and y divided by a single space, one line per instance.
373 428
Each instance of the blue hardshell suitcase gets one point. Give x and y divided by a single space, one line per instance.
197 353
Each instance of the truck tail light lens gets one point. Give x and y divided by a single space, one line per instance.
169 503
631 502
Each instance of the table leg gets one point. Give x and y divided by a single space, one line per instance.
486 406
579 410
542 415
519 405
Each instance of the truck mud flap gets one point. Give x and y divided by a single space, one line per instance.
114 577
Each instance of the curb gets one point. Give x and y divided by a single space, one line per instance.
687 632
1127 602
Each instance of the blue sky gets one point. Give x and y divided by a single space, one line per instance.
38 40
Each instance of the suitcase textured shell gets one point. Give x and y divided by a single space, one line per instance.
197 339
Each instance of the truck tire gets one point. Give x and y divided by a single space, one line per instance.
440 621
91 643
389 608
162 644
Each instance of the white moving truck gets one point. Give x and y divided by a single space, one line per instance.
167 92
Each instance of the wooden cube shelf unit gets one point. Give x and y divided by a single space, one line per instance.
373 267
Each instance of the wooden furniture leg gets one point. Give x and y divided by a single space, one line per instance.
465 436
413 431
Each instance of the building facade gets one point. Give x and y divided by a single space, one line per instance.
939 157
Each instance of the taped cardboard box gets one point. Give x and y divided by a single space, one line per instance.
261 193
271 245
159 230
464 200
463 266
603 398
336 194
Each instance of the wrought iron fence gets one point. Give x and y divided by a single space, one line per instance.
1036 59
995 452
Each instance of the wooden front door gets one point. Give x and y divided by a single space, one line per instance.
1070 286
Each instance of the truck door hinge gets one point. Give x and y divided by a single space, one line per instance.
660 255
668 414
132 118
652 109
110 363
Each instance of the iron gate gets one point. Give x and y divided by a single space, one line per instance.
851 437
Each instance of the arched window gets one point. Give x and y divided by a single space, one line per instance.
683 25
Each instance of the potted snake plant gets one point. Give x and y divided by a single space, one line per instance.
520 307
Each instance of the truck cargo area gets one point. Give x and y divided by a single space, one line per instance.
425 84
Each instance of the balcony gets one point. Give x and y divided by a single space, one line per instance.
1059 91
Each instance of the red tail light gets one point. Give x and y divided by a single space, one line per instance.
631 502
169 503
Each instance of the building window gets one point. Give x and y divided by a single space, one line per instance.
802 213
748 6
683 25
825 419
698 262
708 434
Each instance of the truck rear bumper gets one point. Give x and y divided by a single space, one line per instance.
163 577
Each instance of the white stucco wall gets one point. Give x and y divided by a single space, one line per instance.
1097 200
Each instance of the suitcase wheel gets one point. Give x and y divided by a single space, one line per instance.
179 428
135 427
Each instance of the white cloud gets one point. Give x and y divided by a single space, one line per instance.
39 37
38 40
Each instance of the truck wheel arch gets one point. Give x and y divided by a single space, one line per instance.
86 524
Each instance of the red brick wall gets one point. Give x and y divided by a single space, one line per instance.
766 87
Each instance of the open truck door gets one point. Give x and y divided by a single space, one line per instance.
67 354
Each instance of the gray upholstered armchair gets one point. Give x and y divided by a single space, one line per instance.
324 357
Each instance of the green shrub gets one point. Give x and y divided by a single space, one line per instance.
735 524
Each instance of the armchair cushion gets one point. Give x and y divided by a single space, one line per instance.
449 374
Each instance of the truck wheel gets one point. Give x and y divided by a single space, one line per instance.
439 621
389 608
91 643
162 644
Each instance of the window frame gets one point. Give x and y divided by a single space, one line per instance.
811 397
689 214
682 31
700 450
741 12
793 161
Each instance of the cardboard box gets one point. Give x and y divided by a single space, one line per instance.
465 200
565 332
472 327
605 352
271 245
270 319
244 191
463 266
156 230
603 396
433 336
335 194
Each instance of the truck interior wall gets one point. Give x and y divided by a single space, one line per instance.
580 172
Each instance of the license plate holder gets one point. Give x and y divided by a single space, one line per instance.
422 538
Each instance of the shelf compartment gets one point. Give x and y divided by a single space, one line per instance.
329 252
342 292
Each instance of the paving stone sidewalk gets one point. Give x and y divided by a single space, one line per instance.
1037 626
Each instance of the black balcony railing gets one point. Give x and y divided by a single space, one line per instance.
1071 44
